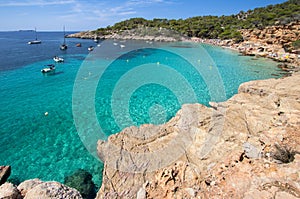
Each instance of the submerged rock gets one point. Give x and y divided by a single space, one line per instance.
82 181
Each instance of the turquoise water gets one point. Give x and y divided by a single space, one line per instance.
49 147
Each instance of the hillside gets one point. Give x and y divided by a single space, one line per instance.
215 27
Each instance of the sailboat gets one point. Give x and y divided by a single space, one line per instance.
64 45
36 41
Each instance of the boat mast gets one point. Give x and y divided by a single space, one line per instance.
35 34
64 36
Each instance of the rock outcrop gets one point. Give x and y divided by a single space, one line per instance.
274 42
4 173
36 189
9 191
49 190
27 185
246 147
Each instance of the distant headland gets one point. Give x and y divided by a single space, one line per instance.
26 30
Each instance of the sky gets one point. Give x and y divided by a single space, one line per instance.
82 15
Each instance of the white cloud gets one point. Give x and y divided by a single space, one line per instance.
127 13
146 2
15 3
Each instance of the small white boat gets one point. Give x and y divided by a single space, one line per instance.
122 46
49 69
91 48
115 44
35 42
58 59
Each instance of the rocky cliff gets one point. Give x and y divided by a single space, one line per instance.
274 42
246 147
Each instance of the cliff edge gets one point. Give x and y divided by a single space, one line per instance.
246 147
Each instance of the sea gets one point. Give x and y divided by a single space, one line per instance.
50 123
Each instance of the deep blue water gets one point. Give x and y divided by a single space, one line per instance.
140 83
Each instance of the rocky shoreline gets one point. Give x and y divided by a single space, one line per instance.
146 34
35 188
274 42
245 147
79 185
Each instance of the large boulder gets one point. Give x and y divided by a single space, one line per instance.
50 190
9 191
27 185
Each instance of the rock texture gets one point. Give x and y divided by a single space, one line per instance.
25 186
4 173
9 191
49 190
246 147
37 189
274 42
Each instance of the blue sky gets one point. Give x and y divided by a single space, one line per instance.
48 15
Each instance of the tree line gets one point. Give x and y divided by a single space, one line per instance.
216 27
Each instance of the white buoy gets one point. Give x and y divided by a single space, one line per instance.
46 113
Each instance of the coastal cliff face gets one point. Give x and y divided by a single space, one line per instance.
282 35
273 42
245 147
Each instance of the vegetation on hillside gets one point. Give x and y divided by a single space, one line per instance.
217 27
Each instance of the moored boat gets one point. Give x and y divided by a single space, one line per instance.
64 45
91 48
49 69
36 41
58 59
